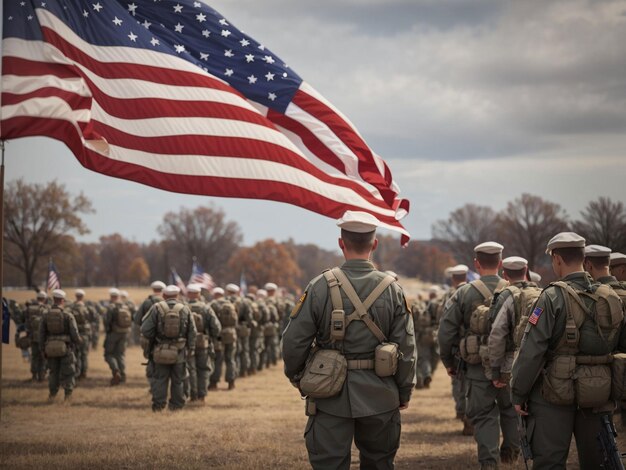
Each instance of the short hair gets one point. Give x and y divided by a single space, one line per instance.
488 260
459 277
514 273
571 254
358 242
599 262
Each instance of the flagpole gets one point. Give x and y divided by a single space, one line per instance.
1 260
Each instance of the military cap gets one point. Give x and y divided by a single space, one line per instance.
217 291
491 248
232 287
113 292
262 293
458 270
194 288
597 251
270 286
514 263
618 258
124 293
433 290
171 290
157 285
79 293
358 222
534 277
58 294
565 240
42 295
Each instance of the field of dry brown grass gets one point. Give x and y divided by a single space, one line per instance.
257 426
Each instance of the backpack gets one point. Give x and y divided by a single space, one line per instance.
80 314
123 319
199 321
228 315
524 300
55 321
170 320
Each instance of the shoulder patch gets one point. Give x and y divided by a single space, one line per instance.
296 308
534 317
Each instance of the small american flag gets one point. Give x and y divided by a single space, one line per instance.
170 94
534 317
178 281
54 281
198 276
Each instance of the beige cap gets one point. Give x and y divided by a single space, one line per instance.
534 277
597 251
113 292
261 293
565 240
194 288
171 290
514 263
79 293
217 291
270 286
458 270
58 294
491 248
157 285
42 295
617 258
358 222
124 293
232 288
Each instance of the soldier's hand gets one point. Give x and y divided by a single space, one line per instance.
451 372
404 406
521 410
498 384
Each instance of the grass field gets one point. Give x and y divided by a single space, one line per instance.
257 426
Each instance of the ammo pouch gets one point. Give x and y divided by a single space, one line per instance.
229 335
557 386
324 374
270 329
202 341
593 385
165 353
518 333
243 331
618 377
479 320
55 348
469 348
386 359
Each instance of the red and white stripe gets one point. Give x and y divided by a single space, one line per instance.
161 121
53 281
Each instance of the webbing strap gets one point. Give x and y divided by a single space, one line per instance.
335 293
482 288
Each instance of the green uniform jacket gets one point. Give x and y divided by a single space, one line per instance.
144 308
543 337
455 322
364 393
69 327
150 329
212 326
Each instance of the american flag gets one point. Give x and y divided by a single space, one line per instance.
534 317
54 281
198 276
178 281
170 94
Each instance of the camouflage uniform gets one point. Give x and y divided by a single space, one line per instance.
33 316
224 353
244 327
269 356
138 317
201 365
95 315
260 314
425 322
115 341
81 315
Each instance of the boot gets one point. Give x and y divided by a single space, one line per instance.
251 371
201 400
231 385
508 455
122 378
489 466
212 387
52 397
460 416
427 382
468 428
116 378
67 400
243 373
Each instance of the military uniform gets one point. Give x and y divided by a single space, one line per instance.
270 354
81 315
95 318
244 326
225 350
117 323
427 353
260 314
153 328
33 316
138 317
366 409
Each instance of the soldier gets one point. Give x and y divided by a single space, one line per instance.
367 408
425 330
59 335
96 311
33 315
257 339
284 306
81 315
569 336
133 337
117 322
464 327
226 349
243 328
534 277
618 266
269 355
172 334
201 365
154 298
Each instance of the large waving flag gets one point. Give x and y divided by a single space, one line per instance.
172 95
198 276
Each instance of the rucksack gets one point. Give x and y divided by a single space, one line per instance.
124 318
524 300
170 320
199 321
55 321
228 315
80 314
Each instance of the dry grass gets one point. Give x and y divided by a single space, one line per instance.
136 294
257 426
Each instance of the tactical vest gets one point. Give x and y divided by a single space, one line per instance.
170 325
33 319
524 299
228 315
55 322
122 319
81 314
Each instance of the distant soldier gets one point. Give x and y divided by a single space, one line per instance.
141 313
208 328
59 336
33 315
172 333
117 322
426 329
273 332
81 315
257 305
243 328
96 312
133 338
534 277
618 266
226 349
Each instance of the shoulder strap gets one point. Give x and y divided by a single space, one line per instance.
333 286
482 288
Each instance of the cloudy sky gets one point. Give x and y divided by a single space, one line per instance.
467 102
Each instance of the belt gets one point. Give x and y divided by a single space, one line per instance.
355 364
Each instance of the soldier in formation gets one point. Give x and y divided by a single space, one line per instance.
138 318
226 348
117 323
271 322
426 322
33 315
82 316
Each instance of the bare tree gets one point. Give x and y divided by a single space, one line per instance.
603 223
116 255
204 233
527 224
464 229
38 219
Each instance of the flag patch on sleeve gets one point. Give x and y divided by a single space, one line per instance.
534 317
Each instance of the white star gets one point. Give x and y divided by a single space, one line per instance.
22 4
146 24
269 76
97 6
206 33
262 47
228 72
179 48
251 79
10 18
201 17
249 58
271 96
285 75
197 4
244 42
43 4
229 53
117 21
179 28
226 33
178 8
204 56
132 8
29 17
132 36
85 13
269 59
223 22
155 42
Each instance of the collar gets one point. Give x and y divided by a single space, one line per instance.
358 265
607 280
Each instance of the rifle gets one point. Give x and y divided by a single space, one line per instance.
611 456
527 452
